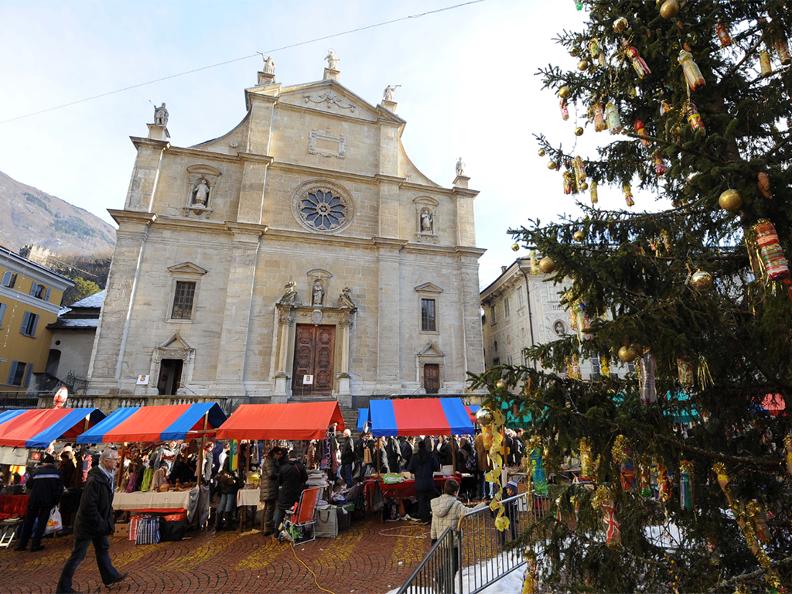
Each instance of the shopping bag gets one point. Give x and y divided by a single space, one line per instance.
54 524
327 523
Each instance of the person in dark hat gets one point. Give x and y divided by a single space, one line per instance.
268 487
45 487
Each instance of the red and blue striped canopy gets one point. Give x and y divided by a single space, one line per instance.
420 416
154 423
39 427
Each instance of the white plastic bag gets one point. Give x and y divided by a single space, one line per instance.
54 524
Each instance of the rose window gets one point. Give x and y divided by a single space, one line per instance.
323 210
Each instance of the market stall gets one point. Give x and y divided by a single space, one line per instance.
38 428
155 424
420 416
292 421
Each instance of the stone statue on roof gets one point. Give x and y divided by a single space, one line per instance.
269 65
332 60
160 115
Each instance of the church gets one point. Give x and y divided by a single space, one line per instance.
300 255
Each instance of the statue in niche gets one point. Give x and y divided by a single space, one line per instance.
387 94
317 294
269 65
161 115
290 294
345 299
460 167
200 193
427 222
332 60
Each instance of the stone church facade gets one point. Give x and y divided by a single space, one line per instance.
300 255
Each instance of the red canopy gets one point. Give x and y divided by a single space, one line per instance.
293 420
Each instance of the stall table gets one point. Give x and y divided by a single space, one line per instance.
248 498
152 501
403 489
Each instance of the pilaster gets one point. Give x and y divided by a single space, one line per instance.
232 359
145 174
388 315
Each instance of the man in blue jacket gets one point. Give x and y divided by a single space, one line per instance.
94 523
44 487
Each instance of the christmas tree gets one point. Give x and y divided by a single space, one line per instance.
682 469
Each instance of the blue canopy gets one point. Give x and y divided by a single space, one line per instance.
420 416
363 419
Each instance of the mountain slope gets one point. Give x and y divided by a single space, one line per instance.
30 216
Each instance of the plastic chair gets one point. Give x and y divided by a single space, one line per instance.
303 519
12 510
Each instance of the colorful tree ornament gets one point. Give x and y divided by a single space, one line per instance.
694 118
628 195
723 35
771 253
640 130
693 75
660 166
594 192
782 49
580 169
763 185
622 457
598 116
669 9
595 51
730 200
638 63
788 457
686 485
603 501
647 370
612 118
620 25
564 110
569 182
765 66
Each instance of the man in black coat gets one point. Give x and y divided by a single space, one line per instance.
423 465
94 523
291 479
45 487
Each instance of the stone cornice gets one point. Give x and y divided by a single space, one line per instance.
166 222
201 154
465 192
322 172
266 159
139 141
286 234
246 228
330 114
408 185
132 216
381 177
470 250
392 242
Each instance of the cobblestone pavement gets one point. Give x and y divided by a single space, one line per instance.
370 558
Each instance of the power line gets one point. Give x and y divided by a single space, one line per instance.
239 59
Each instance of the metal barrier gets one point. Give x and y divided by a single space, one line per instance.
480 552
435 574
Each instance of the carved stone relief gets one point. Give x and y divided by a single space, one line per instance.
330 101
201 181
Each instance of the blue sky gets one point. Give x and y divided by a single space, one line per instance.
467 76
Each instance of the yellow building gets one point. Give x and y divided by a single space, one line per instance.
30 298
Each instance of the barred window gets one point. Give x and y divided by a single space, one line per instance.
428 315
183 300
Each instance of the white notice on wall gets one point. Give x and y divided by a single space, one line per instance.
307 380
142 380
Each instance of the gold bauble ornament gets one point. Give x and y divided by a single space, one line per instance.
620 25
541 152
730 200
500 385
583 65
552 165
578 235
546 265
515 247
564 92
579 131
669 9
583 186
627 354
484 417
701 280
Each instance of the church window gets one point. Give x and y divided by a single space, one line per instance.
428 315
323 210
183 300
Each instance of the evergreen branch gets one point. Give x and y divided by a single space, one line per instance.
747 577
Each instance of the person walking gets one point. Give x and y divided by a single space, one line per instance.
94 523
423 465
348 458
268 489
45 487
291 478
